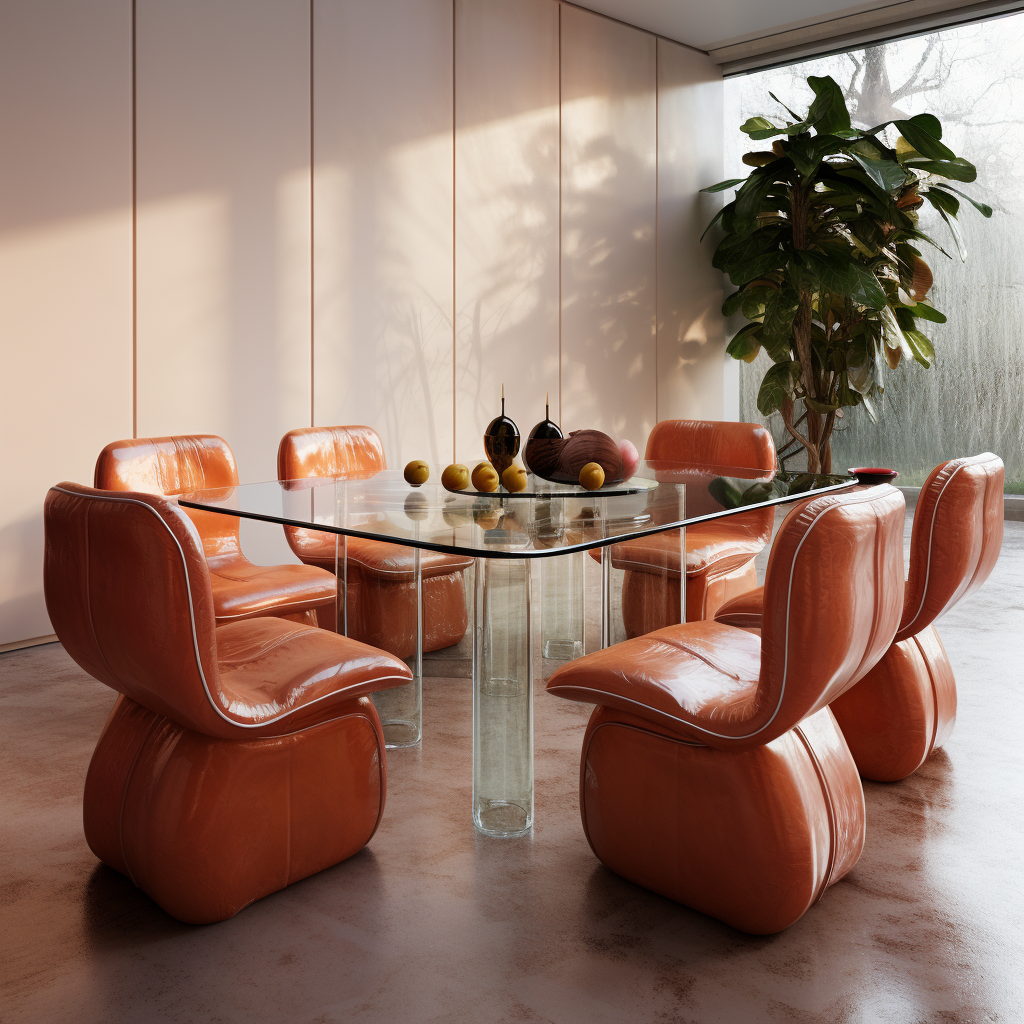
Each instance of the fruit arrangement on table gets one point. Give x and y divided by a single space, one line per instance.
587 457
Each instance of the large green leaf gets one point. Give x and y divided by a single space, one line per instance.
738 249
921 347
777 383
958 169
983 208
930 123
732 304
751 197
846 277
746 344
760 128
807 153
723 185
828 113
887 173
741 273
924 141
943 201
927 312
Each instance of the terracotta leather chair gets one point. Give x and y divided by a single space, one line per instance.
238 758
713 771
241 590
381 595
904 709
719 554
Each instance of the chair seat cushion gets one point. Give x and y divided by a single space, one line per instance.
698 679
719 545
277 676
242 590
375 557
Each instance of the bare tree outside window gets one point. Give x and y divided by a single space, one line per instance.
972 78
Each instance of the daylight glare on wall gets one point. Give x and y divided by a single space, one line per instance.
972 399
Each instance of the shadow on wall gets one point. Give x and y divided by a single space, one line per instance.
608 294
510 331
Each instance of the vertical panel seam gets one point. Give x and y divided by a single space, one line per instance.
312 237
135 220
454 295
657 196
560 215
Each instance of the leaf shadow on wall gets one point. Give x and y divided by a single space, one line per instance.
608 294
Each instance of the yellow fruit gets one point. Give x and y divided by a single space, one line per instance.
485 477
417 472
455 477
514 478
591 476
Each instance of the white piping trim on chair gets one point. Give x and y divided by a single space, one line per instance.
192 620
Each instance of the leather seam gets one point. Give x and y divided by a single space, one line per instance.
830 809
195 639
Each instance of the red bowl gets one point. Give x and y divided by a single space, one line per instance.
873 474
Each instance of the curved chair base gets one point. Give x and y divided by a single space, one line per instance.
751 837
901 711
206 826
650 601
382 613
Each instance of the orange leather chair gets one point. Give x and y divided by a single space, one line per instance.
719 554
238 758
241 590
713 771
381 599
905 708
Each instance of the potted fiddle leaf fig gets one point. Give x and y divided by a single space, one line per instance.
823 245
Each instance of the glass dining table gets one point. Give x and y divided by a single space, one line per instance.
541 541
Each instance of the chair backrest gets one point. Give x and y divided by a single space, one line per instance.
128 592
350 452
833 596
712 443
955 542
176 465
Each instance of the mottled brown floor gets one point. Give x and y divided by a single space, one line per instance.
434 923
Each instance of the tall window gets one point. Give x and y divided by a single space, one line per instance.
972 399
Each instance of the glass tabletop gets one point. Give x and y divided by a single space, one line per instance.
545 519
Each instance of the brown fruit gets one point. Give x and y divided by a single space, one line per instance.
455 477
417 473
485 477
514 478
592 476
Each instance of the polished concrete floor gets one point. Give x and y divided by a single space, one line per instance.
432 922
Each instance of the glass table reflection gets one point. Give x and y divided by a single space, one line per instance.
545 530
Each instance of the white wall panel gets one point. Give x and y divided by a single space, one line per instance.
506 214
383 221
609 155
223 236
65 269
691 349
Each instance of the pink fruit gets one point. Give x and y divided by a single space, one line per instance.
630 458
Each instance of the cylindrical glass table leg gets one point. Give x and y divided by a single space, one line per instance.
607 611
502 698
561 606
401 708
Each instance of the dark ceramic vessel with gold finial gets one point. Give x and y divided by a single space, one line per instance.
501 439
541 446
